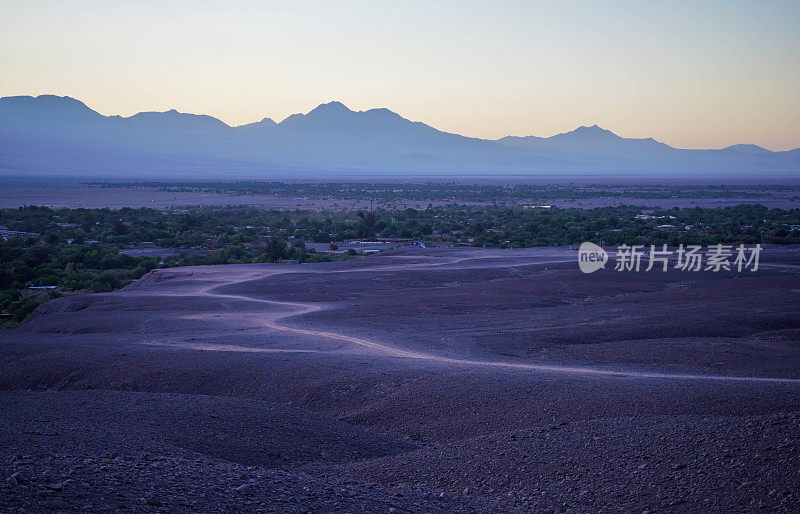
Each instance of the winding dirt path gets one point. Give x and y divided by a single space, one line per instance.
292 309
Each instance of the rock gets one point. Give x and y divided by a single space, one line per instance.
12 481
245 489
154 500
57 486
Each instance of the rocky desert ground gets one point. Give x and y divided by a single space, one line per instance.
447 380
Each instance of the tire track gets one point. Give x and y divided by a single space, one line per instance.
293 309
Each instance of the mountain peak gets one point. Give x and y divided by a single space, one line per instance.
591 130
746 148
330 107
585 133
55 109
327 113
47 101
175 120
264 123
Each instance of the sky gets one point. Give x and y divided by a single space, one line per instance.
693 74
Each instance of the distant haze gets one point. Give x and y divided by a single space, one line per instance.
690 74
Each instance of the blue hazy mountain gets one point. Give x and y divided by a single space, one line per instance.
589 140
62 136
746 149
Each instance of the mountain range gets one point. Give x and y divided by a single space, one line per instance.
61 136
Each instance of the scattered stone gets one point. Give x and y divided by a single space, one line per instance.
245 489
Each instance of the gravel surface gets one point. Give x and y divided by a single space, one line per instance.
419 380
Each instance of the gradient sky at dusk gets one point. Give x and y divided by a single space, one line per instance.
690 73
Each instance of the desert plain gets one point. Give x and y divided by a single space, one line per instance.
436 380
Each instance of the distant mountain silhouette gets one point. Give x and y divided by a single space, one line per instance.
264 124
62 136
588 140
172 121
746 149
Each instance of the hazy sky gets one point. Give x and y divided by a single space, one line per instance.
689 73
